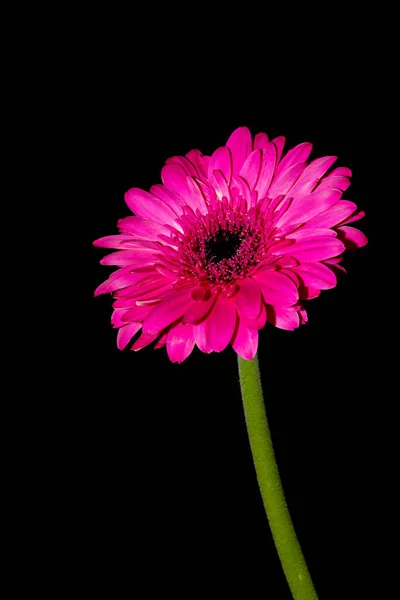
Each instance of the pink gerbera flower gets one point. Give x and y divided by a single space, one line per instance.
226 244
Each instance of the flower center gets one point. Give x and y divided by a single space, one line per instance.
223 245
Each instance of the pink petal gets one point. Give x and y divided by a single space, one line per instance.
140 288
245 341
314 249
298 154
280 208
199 308
340 183
351 237
143 228
220 323
251 168
261 141
171 198
167 241
124 303
355 217
276 288
203 187
221 160
201 292
168 311
276 247
185 163
167 271
220 185
318 167
303 232
162 340
124 258
155 296
126 333
174 177
333 261
180 342
139 254
303 187
341 172
257 323
243 189
268 163
316 275
339 269
279 143
135 314
116 317
313 172
200 162
283 183
240 145
273 204
136 243
308 293
303 315
284 318
292 275
248 298
118 279
144 340
333 215
147 206
197 201
311 206
287 261
199 334
113 241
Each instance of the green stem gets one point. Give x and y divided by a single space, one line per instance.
286 542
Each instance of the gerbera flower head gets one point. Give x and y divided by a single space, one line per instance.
226 244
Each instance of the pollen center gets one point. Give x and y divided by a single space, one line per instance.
223 245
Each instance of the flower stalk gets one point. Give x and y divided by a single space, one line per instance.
286 542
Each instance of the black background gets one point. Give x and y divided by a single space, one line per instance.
162 488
